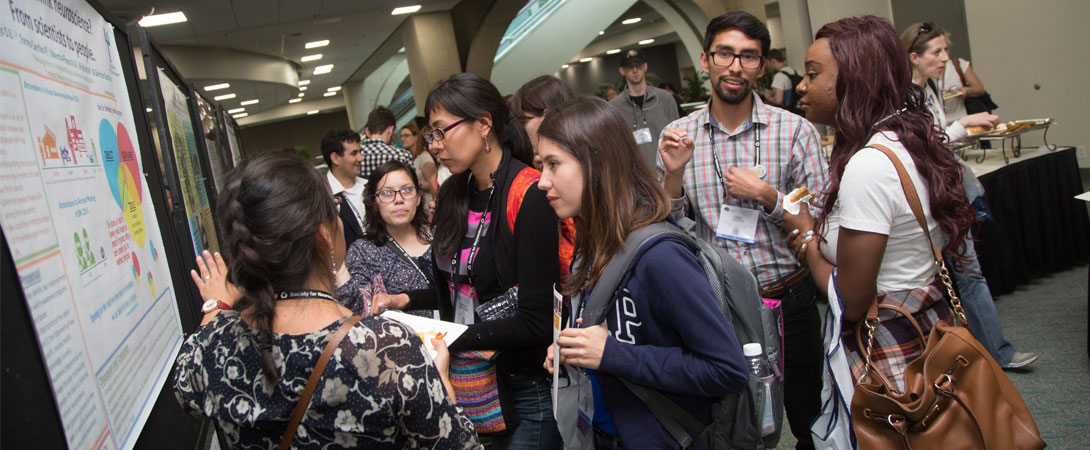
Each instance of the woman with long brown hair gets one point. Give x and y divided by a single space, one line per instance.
664 330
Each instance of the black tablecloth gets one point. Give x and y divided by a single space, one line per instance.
1039 226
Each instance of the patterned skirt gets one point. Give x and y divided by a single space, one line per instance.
896 341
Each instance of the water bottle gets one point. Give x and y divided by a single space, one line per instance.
759 369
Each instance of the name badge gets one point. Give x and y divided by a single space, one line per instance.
737 224
463 310
642 135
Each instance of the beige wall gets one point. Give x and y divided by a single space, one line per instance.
1016 45
306 131
825 11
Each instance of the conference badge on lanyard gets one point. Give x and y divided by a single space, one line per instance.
737 224
642 135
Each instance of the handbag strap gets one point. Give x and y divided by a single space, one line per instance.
312 382
917 210
961 73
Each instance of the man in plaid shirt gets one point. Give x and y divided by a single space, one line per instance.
732 163
376 148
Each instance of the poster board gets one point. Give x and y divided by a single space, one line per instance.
210 126
232 139
187 161
78 220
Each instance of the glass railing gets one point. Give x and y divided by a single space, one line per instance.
528 18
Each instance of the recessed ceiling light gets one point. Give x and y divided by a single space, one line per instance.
601 32
295 100
309 58
312 112
316 44
323 69
334 89
216 87
235 111
613 52
302 89
249 102
162 19
304 82
223 97
147 109
239 116
302 94
405 10
586 60
329 94
646 41
565 66
631 21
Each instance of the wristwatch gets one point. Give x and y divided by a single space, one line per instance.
213 304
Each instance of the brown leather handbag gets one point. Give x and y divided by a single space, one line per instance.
956 396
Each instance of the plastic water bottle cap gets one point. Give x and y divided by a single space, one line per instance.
752 349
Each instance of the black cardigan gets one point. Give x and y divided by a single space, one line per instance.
529 258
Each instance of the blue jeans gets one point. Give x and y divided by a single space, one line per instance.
979 305
532 397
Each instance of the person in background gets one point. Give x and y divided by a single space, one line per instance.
951 82
396 245
533 100
742 154
858 83
665 330
376 149
479 255
247 364
781 91
423 162
341 152
926 47
646 107
669 87
610 92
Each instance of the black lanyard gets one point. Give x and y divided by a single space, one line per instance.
476 245
638 109
410 258
715 152
305 293
347 202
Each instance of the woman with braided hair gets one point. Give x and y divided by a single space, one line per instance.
248 363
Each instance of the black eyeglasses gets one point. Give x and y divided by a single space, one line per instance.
725 59
388 195
439 133
925 28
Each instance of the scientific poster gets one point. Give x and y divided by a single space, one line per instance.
232 140
78 217
198 210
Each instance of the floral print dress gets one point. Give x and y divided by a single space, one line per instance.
380 389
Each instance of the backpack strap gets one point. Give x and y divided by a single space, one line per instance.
681 425
601 296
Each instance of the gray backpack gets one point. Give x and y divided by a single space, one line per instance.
735 417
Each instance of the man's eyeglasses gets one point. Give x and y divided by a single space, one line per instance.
925 28
725 59
439 133
388 195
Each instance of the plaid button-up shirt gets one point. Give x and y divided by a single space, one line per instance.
790 151
376 153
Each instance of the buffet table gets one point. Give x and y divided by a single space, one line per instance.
1039 226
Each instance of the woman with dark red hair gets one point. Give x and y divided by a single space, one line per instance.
869 243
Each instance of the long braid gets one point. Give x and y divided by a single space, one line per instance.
271 210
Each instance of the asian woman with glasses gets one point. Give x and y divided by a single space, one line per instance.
491 248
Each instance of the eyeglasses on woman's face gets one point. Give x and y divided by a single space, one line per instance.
388 195
439 133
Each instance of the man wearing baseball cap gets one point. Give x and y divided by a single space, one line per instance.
647 108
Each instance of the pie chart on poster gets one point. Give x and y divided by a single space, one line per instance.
123 174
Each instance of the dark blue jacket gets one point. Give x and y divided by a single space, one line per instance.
667 333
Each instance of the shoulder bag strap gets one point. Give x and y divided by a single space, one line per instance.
312 382
917 210
601 295
961 73
681 425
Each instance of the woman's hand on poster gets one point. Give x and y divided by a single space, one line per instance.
212 281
